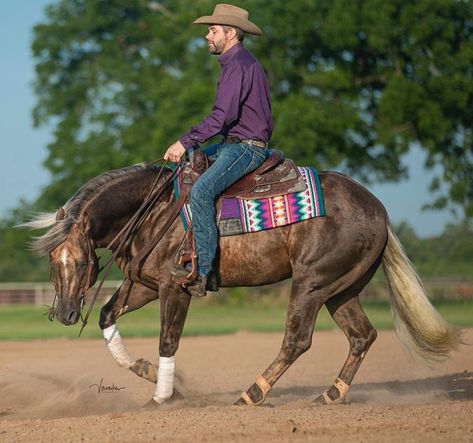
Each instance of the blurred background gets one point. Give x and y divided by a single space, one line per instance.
381 90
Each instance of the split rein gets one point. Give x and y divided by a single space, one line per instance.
127 232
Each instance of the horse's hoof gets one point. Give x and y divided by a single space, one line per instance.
143 368
176 395
318 401
240 402
151 405
322 400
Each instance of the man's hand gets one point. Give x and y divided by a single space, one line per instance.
174 152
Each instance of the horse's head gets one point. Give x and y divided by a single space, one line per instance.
74 269
87 219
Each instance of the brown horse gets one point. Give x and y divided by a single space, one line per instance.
330 260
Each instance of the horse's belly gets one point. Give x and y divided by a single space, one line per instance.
254 259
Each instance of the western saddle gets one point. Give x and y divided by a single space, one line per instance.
276 176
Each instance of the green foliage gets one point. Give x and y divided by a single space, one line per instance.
354 84
121 80
448 254
17 263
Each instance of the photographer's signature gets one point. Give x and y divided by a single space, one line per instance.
106 389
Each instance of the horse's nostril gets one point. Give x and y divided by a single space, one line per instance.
72 316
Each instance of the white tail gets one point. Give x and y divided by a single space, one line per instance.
419 326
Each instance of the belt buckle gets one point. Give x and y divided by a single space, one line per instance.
258 143
251 142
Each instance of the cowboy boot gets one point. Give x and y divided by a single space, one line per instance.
213 281
195 285
179 271
198 288
183 276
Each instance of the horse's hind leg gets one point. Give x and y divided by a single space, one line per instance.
304 305
129 297
349 316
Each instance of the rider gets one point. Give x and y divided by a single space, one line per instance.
241 115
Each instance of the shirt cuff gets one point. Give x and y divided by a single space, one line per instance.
187 142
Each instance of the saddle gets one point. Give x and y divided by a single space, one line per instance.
276 176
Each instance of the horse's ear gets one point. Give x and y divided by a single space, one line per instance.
87 223
60 214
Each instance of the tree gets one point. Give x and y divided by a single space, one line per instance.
448 254
354 84
111 74
17 262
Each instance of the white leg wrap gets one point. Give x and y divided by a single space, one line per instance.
117 347
165 385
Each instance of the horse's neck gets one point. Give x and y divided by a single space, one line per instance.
113 206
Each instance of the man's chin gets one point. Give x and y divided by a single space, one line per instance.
214 50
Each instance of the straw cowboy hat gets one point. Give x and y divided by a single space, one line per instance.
231 16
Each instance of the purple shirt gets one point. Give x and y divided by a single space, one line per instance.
242 106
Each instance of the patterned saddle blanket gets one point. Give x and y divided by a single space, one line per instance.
236 215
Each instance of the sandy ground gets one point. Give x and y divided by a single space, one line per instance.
48 393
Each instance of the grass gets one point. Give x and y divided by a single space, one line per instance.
206 317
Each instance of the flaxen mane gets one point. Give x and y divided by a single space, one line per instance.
47 242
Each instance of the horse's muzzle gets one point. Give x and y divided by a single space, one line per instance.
68 315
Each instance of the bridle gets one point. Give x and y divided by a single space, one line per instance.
88 282
125 236
127 232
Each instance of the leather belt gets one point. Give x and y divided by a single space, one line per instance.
234 139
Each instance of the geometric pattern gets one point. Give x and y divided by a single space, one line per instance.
240 216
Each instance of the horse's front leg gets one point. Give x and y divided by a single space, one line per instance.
128 297
174 306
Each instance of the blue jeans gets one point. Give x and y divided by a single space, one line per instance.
232 161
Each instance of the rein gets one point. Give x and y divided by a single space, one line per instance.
133 224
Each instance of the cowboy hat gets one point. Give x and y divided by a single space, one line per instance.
231 16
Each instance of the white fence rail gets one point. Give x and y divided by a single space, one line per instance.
43 293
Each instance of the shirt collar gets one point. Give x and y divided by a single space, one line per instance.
228 55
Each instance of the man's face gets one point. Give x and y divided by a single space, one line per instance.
217 40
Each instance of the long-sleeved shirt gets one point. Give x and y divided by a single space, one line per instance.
242 105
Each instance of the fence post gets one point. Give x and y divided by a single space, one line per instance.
38 295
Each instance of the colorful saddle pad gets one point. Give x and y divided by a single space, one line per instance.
240 216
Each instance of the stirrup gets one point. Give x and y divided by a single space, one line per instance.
185 254
183 276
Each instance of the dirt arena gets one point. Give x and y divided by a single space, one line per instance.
48 392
